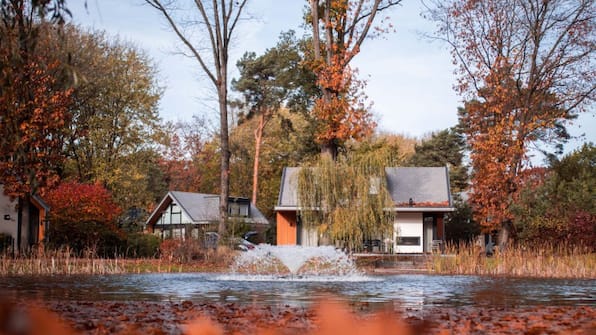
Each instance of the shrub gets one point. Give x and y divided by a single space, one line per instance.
181 250
83 217
142 245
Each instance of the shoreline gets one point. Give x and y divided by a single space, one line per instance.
581 266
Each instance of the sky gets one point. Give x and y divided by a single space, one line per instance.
409 78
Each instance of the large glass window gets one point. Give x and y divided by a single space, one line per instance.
407 240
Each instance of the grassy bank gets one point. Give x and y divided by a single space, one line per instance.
519 261
63 262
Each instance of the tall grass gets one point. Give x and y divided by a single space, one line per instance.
547 261
65 262
58 262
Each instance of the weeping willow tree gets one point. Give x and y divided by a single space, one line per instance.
346 200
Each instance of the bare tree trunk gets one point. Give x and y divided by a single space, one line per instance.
329 148
218 20
224 161
504 237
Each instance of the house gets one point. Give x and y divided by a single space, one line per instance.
421 197
21 230
186 214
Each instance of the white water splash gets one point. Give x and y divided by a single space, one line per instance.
350 278
295 260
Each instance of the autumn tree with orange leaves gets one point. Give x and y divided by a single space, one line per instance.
188 160
33 105
525 68
339 27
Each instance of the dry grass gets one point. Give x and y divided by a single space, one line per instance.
63 262
543 262
57 262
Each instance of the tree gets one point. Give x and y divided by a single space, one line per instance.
115 120
267 83
339 27
556 205
218 20
347 199
287 142
83 217
525 67
460 226
189 157
33 104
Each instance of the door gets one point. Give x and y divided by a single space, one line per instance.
33 225
428 224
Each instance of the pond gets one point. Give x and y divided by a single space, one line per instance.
410 291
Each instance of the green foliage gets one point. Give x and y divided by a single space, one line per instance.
346 199
287 142
142 245
132 220
115 117
460 225
444 148
392 150
275 80
277 77
558 206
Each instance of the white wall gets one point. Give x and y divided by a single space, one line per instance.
178 218
410 225
8 207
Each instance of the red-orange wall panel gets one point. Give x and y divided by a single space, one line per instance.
286 228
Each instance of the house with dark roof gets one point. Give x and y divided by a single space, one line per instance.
421 197
187 214
24 229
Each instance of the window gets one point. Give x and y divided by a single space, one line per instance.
236 209
407 240
233 210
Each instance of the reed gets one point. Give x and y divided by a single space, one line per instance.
547 261
64 262
57 262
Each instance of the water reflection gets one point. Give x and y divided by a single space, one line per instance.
413 291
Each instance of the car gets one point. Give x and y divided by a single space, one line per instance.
251 236
242 244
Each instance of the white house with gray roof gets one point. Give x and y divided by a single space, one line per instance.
186 214
421 197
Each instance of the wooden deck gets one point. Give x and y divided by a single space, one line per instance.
393 263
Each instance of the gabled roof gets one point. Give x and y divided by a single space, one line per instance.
40 203
288 193
201 208
428 187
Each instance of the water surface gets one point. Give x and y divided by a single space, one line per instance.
415 291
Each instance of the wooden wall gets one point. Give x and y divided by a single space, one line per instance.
286 227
